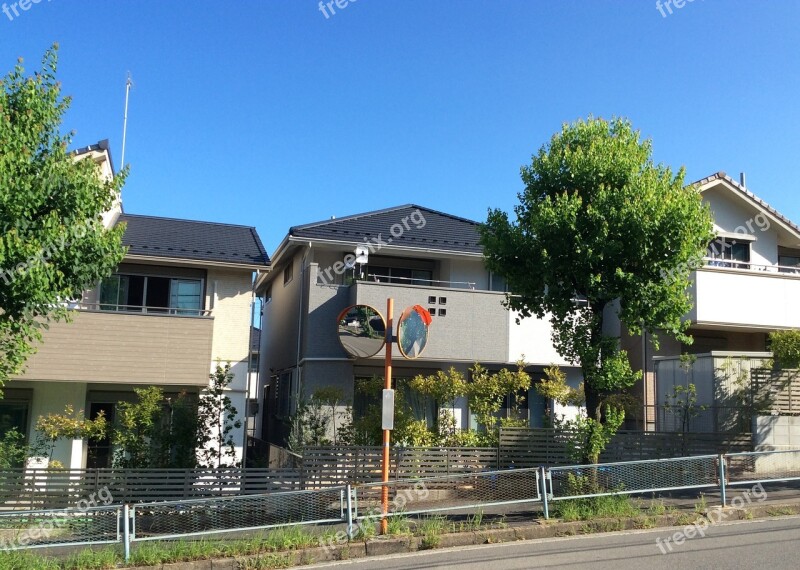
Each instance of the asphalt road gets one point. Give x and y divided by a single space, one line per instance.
771 543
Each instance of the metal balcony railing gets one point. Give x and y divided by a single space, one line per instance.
142 309
747 266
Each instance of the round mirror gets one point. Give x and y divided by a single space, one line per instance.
361 330
412 331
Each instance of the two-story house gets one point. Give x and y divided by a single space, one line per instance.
415 255
748 286
178 303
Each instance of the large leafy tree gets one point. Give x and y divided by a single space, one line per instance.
601 233
52 241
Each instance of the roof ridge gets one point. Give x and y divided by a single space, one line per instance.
186 220
347 218
381 211
446 215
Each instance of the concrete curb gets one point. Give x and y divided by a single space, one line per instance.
540 529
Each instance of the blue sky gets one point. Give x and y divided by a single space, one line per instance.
270 114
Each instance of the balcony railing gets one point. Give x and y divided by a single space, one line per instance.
111 307
420 282
747 266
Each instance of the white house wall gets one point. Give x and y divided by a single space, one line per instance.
230 295
532 338
735 216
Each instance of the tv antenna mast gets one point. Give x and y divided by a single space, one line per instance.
128 85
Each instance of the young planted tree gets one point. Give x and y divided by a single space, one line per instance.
217 418
601 232
69 425
52 241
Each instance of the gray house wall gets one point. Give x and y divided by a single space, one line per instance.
280 321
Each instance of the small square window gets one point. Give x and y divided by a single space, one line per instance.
432 311
442 300
442 312
431 300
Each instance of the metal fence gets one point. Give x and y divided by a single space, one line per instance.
581 481
450 493
762 467
176 519
65 527
224 516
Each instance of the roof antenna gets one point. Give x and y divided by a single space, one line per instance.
742 180
128 85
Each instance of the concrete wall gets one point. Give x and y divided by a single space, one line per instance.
475 328
775 433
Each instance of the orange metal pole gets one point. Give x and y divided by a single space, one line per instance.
387 384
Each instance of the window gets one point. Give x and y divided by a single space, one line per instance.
100 451
253 362
14 415
288 274
727 252
789 264
497 283
367 399
400 275
149 294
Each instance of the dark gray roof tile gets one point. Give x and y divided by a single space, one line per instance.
192 240
432 230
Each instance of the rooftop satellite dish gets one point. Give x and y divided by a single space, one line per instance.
362 254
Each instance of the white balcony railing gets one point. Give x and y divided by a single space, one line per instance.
112 307
420 282
746 266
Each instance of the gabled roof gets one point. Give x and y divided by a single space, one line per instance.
102 146
191 240
408 226
721 176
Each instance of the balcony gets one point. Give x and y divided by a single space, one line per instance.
468 325
126 345
744 295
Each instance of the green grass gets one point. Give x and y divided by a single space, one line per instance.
779 511
611 506
398 525
264 546
658 508
701 507
431 529
14 560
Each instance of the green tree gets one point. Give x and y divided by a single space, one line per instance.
53 244
69 425
600 229
444 388
137 427
785 347
486 393
217 417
